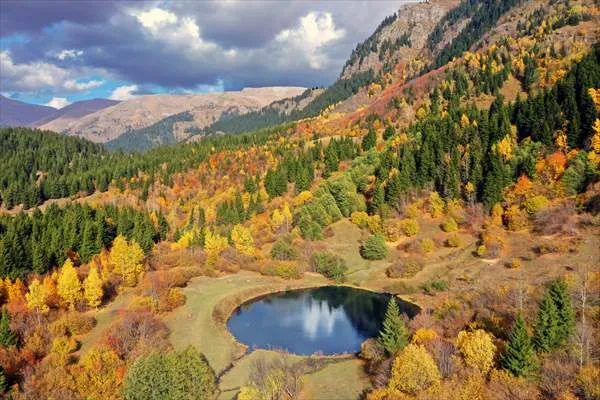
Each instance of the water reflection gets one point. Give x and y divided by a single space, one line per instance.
330 320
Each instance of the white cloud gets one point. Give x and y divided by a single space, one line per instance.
182 33
76 86
69 53
315 30
123 93
36 76
58 102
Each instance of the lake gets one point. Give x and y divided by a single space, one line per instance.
327 320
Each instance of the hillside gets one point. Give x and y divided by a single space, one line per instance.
457 170
60 119
108 124
18 113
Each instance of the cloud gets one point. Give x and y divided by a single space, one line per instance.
75 86
41 76
181 46
314 31
58 102
171 30
68 53
123 93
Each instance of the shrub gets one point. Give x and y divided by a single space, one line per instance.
514 263
477 348
391 229
455 241
449 225
427 245
374 248
404 268
73 324
482 250
535 204
330 265
282 269
409 226
515 218
283 249
359 218
437 286
374 223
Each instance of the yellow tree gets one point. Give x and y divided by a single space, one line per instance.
100 375
287 216
214 244
436 205
50 290
127 259
242 239
36 297
69 286
277 220
414 370
477 348
92 288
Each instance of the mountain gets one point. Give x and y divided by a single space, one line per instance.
110 123
60 119
18 113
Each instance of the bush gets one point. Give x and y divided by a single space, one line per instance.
330 265
515 218
482 250
282 269
374 248
404 268
535 204
449 225
437 286
374 223
514 263
359 218
409 226
391 229
427 245
283 249
455 241
73 324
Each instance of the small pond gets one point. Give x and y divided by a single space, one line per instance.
327 320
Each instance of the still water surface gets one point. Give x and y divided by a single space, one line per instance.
327 320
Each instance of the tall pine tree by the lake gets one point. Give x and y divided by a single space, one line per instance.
394 335
519 356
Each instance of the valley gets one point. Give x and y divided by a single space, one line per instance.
453 166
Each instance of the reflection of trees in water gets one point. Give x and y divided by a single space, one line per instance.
366 310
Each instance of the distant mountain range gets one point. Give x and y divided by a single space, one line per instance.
101 120
18 113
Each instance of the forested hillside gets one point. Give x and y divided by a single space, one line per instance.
461 174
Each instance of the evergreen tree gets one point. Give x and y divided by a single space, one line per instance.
518 357
331 160
546 334
7 336
558 291
374 248
394 335
369 140
3 384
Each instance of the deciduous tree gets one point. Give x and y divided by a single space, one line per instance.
69 286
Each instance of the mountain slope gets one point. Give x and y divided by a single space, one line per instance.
60 119
18 113
108 124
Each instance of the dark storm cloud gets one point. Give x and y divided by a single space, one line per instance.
188 44
30 16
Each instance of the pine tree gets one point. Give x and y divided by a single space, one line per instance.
369 140
558 291
3 385
519 355
7 336
92 288
394 335
547 326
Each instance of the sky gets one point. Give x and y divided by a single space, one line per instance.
57 52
